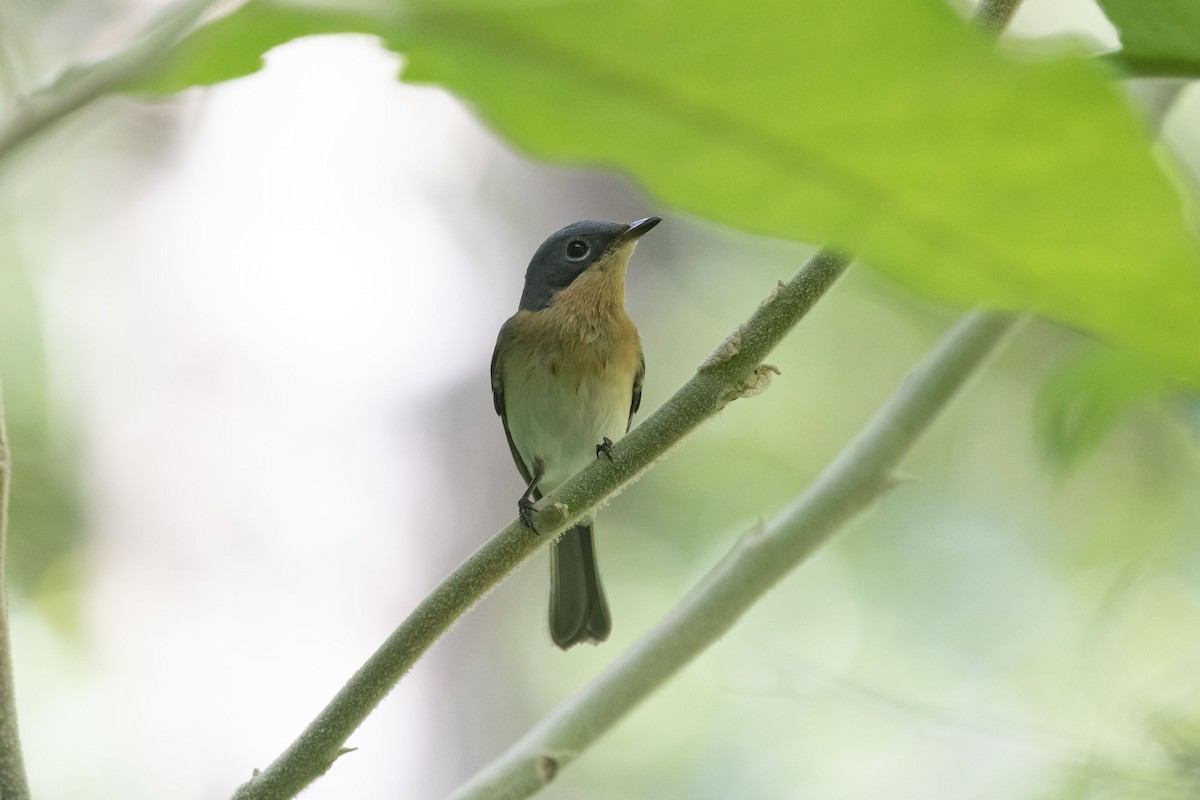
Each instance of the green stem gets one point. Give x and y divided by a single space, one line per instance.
994 16
760 560
82 84
13 784
734 370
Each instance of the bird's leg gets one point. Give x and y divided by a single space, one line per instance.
605 447
525 504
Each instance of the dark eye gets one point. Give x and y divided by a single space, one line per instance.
577 250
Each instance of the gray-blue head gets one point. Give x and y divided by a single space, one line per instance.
574 250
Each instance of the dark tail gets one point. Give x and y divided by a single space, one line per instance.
578 611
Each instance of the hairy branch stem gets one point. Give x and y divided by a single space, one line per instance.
994 16
760 560
724 375
13 783
862 472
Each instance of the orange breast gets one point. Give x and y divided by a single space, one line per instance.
582 335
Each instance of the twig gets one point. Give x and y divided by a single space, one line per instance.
993 16
762 557
13 784
734 370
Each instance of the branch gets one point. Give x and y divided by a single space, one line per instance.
761 559
13 784
733 371
993 16
82 84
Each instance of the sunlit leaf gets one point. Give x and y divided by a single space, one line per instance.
1013 179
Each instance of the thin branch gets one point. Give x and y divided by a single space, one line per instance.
733 371
760 560
82 84
993 16
13 784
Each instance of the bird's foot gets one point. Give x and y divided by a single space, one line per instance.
605 447
525 511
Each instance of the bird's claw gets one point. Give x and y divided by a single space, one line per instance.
605 447
525 511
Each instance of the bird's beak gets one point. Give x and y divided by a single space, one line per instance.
637 228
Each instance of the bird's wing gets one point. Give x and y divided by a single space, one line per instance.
503 341
636 401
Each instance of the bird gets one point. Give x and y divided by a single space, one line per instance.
567 377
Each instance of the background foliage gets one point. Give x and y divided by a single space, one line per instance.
1018 621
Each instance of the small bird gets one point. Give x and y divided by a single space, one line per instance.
566 380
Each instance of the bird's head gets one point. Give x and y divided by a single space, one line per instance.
598 250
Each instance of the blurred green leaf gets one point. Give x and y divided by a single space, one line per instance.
1189 411
233 46
1013 178
1080 405
1157 38
44 510
1166 767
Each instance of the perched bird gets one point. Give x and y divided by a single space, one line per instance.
566 379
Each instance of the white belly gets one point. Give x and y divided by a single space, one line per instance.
560 419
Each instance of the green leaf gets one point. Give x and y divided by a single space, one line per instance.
44 532
1015 179
1079 406
233 46
1158 37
